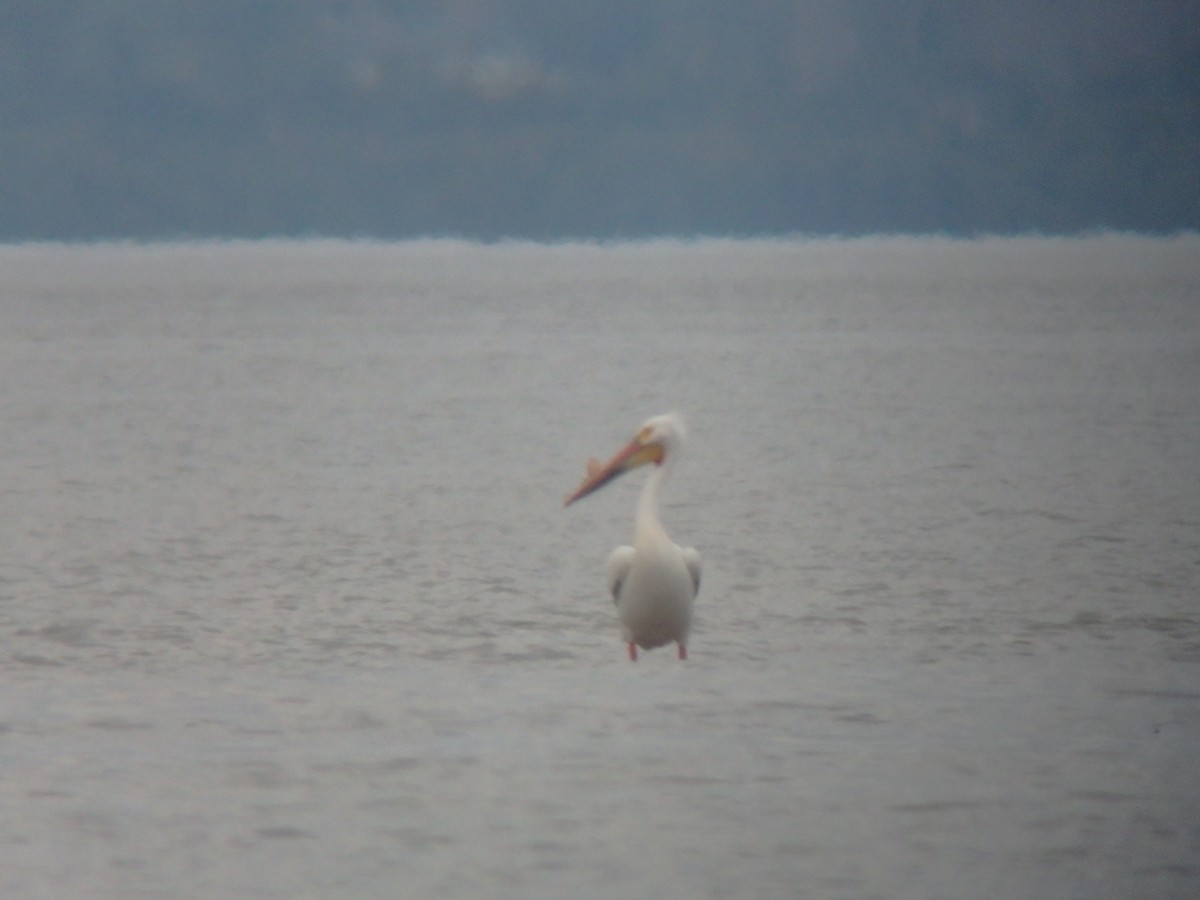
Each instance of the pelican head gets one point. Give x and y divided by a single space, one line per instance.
659 439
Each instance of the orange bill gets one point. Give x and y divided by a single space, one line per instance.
630 457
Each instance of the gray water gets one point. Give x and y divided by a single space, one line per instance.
290 607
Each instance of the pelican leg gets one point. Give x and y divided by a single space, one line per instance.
632 651
682 652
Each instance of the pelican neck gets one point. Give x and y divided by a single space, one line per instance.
648 524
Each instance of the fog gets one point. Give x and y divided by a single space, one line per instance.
521 118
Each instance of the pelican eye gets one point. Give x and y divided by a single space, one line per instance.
645 435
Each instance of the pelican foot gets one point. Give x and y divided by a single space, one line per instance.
682 652
632 652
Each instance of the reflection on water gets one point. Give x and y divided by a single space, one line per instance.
289 605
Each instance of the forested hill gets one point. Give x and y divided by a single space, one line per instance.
553 118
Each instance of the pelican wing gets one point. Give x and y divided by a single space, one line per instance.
619 565
692 560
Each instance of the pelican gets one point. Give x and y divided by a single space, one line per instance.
654 582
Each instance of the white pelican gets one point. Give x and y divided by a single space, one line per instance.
654 582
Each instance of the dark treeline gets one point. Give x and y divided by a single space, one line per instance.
544 118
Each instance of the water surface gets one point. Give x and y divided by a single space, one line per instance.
289 605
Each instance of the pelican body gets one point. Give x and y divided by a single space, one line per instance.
654 582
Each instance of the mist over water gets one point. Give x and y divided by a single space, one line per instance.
289 604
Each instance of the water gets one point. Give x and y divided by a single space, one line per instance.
289 605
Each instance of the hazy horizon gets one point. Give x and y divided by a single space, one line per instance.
520 119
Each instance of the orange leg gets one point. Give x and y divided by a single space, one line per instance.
632 651
682 652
